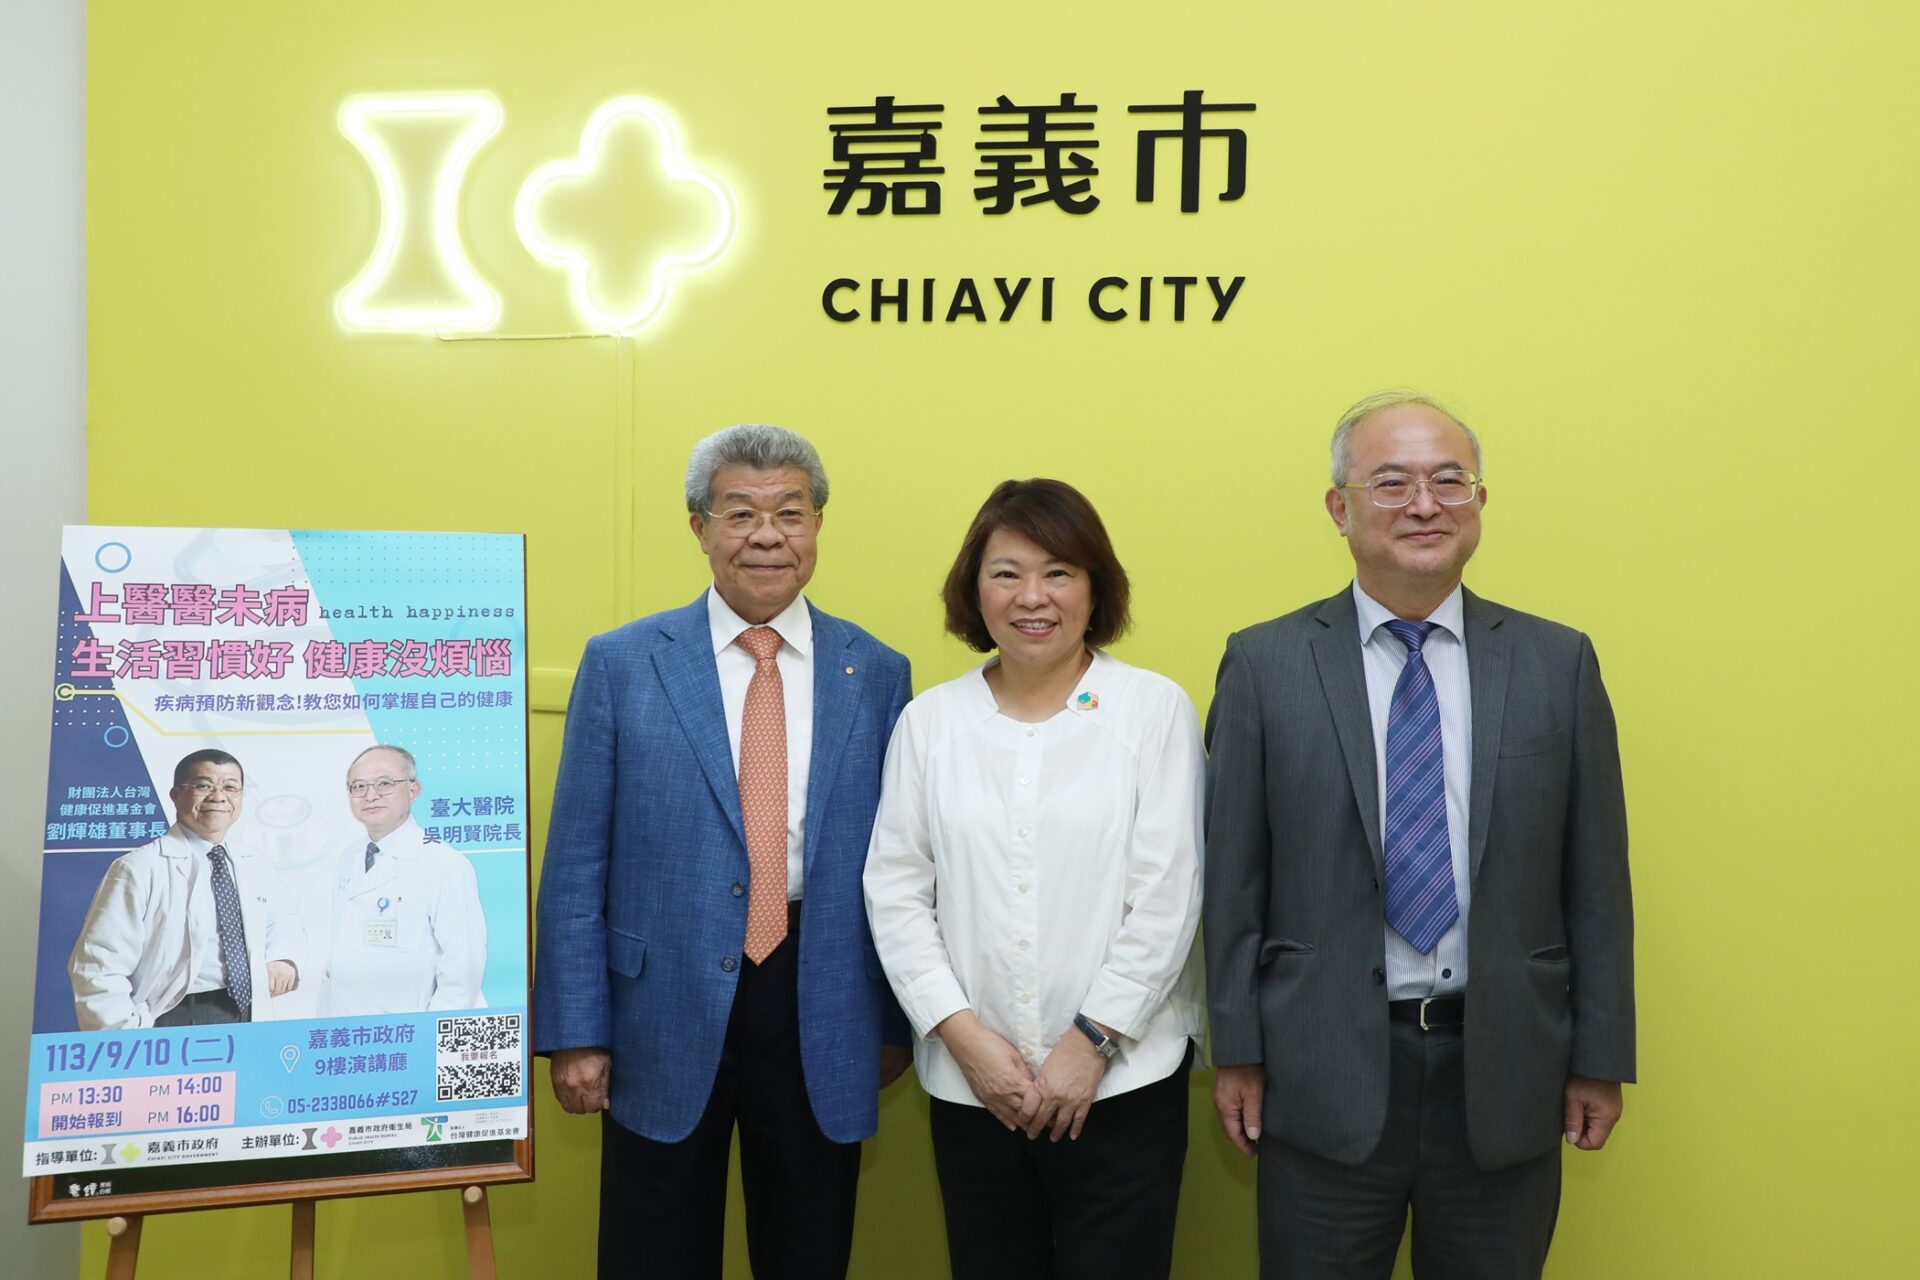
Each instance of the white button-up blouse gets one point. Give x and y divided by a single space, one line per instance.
1032 871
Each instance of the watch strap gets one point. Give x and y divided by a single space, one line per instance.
1105 1043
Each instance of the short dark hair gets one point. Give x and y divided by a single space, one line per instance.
1056 517
211 755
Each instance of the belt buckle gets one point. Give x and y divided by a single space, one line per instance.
1425 1001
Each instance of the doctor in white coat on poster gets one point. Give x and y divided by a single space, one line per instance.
191 928
408 931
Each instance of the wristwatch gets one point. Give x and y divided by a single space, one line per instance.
1105 1043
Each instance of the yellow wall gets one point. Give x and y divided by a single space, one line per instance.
1659 254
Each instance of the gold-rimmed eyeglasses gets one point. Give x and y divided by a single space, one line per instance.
1395 489
741 522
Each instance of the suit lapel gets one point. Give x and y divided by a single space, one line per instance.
1487 671
836 696
1336 654
692 685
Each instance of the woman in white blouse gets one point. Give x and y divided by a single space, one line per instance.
1034 887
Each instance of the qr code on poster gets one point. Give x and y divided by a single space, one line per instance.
478 1057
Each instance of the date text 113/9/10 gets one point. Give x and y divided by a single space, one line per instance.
1110 298
187 1049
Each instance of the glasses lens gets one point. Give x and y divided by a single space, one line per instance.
793 521
1452 488
1391 490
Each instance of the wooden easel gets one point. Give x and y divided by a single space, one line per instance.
123 1253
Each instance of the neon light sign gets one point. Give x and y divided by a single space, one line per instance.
475 307
478 305
577 265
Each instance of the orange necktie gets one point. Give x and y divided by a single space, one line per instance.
763 794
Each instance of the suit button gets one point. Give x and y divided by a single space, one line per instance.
738 889
1376 884
729 964
1379 977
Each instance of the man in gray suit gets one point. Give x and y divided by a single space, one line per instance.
1419 926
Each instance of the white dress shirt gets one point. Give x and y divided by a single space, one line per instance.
795 660
1442 971
203 920
1032 871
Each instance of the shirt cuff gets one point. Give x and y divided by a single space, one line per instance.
1121 1003
931 999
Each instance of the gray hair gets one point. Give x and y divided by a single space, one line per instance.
413 766
1370 405
759 447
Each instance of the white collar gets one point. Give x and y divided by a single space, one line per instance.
1449 615
794 623
197 844
1089 683
401 842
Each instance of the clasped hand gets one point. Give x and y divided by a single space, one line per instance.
1056 1101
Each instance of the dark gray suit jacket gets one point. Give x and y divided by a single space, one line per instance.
1294 915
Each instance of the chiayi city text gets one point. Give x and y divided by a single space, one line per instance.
1110 298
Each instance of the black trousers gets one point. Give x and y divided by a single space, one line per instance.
202 1009
1319 1218
1101 1206
663 1205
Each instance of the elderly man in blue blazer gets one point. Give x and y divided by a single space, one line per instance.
703 960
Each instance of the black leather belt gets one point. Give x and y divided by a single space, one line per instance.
1435 1013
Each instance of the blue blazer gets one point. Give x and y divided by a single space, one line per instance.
640 927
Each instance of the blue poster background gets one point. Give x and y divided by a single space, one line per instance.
290 1081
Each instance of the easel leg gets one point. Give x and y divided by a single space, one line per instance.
302 1267
473 1203
123 1253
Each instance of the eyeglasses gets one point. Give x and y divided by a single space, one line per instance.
1394 489
379 787
742 522
203 788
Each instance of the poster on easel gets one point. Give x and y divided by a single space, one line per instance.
283 933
